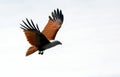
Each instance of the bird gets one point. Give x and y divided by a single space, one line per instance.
41 40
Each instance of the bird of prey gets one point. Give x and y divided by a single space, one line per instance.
41 40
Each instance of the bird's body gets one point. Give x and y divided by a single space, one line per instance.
41 40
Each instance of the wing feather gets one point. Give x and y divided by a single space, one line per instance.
53 25
32 32
32 37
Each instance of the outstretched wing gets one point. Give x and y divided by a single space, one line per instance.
32 32
53 25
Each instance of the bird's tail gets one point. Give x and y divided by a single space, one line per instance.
31 50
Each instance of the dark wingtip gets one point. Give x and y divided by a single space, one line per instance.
57 14
29 25
22 28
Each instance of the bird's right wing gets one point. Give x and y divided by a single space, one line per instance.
32 32
53 25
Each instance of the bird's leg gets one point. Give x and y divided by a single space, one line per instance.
41 52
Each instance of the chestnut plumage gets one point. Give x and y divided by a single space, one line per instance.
41 40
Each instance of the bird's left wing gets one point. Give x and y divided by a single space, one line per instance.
53 25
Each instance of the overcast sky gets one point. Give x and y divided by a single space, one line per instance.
90 37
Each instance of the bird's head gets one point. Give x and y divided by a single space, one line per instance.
52 44
56 42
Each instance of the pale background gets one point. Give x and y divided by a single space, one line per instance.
90 35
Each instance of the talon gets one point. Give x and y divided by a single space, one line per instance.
41 52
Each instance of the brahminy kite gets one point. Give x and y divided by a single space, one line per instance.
41 40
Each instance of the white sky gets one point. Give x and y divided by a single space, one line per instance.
90 35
